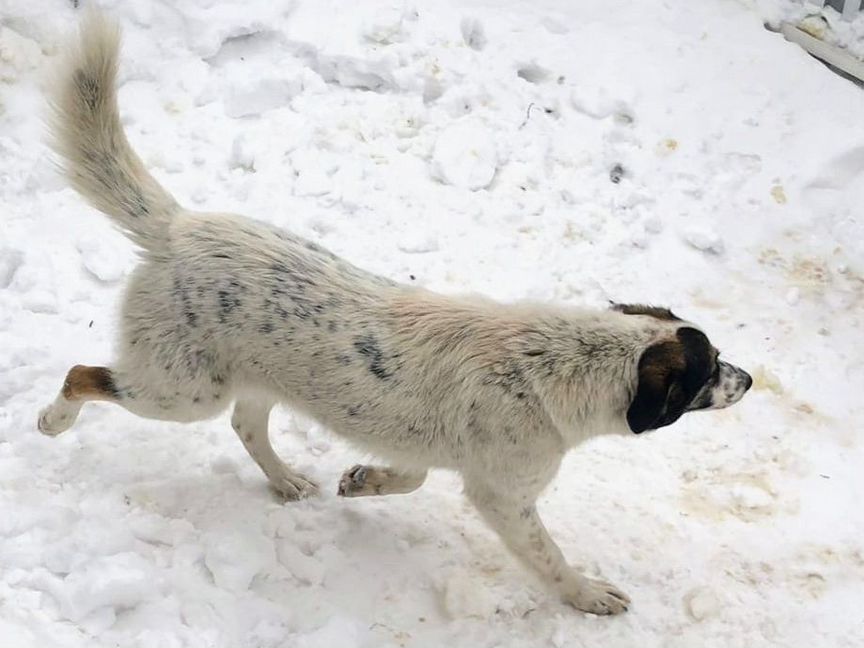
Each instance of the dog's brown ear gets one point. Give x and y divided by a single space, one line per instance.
656 312
657 401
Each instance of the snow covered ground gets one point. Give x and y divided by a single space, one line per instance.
462 146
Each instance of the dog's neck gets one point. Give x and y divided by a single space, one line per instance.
583 368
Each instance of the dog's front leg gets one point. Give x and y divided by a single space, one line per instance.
520 527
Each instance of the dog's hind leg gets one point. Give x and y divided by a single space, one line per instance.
82 384
142 391
361 481
250 422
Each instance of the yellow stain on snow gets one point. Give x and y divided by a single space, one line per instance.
765 379
667 147
779 195
748 496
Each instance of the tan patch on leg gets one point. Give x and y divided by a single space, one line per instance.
89 383
82 384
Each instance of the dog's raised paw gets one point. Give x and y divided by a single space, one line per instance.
50 423
293 487
598 597
353 481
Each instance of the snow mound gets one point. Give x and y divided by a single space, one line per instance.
18 54
418 242
253 96
104 262
465 155
115 582
703 239
237 557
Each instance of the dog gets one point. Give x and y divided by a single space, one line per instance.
226 309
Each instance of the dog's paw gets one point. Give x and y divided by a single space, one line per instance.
353 482
52 422
293 487
597 597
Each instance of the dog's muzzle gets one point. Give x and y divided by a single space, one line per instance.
725 388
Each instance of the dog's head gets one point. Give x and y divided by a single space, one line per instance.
680 374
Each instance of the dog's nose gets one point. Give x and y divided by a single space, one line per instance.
748 381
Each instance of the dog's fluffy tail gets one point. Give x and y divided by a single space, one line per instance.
87 134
